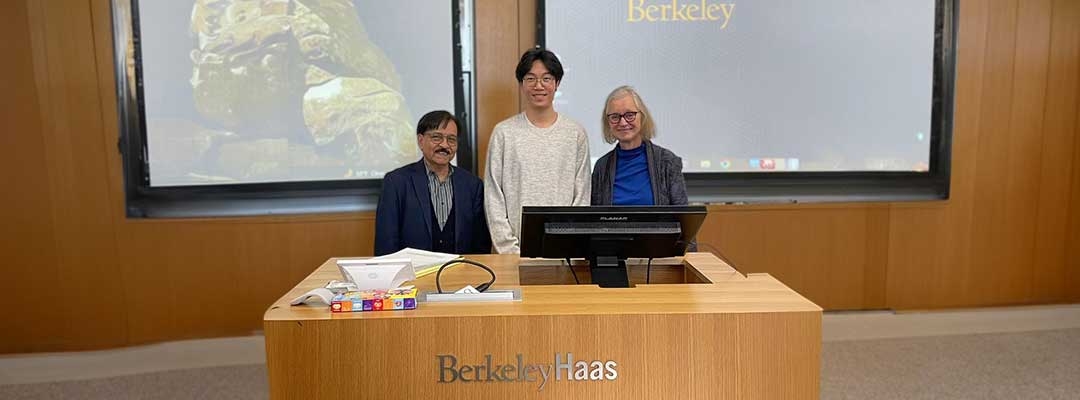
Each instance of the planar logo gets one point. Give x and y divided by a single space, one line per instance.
517 370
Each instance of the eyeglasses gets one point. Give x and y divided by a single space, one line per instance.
438 138
545 80
629 116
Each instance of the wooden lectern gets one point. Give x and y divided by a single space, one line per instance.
699 330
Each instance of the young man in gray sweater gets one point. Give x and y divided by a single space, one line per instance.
536 158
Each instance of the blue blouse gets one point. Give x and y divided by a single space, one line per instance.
632 183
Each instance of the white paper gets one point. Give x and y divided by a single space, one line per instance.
420 259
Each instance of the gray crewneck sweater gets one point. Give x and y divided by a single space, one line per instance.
532 166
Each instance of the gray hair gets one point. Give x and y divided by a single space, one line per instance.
648 129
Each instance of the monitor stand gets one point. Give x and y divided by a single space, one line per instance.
609 271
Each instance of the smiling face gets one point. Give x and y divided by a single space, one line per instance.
439 145
538 87
624 120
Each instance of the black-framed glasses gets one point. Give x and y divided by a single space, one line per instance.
546 80
438 138
629 116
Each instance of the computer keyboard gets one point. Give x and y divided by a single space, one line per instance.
587 228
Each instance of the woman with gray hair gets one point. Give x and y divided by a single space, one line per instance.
637 171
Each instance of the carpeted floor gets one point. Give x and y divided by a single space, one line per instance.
1026 365
234 382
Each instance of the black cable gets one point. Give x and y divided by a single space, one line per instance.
648 271
480 288
571 266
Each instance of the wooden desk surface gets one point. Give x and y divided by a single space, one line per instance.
726 336
726 291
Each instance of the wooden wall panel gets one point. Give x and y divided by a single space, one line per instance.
504 30
1025 147
1010 233
999 239
1072 260
875 272
497 52
1066 59
27 237
994 159
830 254
1072 244
919 256
188 276
77 176
526 28
1059 168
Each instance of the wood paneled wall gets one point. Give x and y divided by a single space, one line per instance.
80 275
1004 236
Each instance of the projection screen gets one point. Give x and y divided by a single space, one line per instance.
757 86
262 91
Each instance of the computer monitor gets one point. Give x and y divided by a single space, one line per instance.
608 235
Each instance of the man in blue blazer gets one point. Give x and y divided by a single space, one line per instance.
430 204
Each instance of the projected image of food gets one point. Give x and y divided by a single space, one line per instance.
280 90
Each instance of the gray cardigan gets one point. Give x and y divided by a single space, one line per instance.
665 173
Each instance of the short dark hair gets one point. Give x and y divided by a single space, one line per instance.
545 56
435 120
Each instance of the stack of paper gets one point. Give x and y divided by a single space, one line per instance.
423 262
